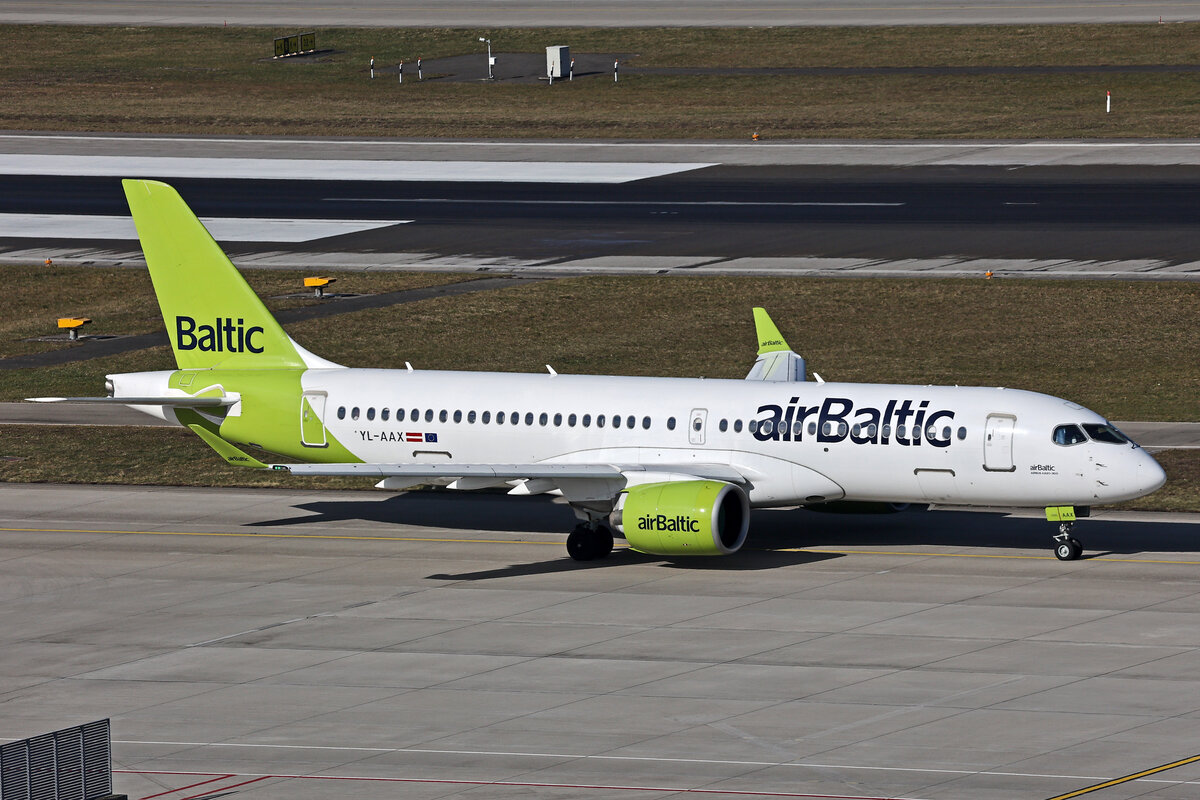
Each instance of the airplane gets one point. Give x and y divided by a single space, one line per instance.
673 465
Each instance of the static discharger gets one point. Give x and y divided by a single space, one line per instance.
318 285
72 325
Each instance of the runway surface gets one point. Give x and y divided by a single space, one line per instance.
302 644
603 13
922 209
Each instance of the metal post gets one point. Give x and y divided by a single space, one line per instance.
372 67
616 65
489 49
571 73
401 72
420 76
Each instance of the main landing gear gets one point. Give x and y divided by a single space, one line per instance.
1066 546
589 542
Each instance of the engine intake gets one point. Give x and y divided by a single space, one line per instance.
683 518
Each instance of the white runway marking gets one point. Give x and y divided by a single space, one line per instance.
654 759
337 169
223 229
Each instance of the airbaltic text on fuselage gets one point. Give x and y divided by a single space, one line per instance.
223 336
836 418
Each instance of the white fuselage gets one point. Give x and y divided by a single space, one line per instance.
796 443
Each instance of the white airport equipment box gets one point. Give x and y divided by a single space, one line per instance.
558 59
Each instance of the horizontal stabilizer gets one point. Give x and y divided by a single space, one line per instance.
178 401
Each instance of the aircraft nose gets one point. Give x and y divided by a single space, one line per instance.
1150 476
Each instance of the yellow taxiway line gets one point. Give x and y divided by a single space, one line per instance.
1127 778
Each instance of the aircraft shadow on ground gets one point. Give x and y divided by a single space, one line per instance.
771 530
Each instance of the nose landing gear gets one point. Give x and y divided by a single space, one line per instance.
1066 546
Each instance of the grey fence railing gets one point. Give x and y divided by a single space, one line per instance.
71 764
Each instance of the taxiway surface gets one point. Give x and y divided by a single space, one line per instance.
303 644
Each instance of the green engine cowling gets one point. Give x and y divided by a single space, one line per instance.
683 518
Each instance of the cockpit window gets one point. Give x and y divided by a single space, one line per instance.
1067 435
1105 433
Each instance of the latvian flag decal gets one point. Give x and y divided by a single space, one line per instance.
420 437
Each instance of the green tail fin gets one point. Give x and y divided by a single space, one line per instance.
212 316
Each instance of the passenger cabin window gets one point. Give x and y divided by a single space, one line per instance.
528 417
737 426
557 420
670 423
429 415
571 420
442 415
587 420
371 413
399 415
962 434
354 413
486 417
599 420
383 413
543 418
471 417
1105 433
499 417
722 426
341 412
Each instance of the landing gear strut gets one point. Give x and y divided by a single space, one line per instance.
1066 546
589 542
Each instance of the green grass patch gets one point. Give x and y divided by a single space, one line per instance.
121 301
1126 350
221 81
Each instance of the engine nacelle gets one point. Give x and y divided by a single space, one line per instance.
683 518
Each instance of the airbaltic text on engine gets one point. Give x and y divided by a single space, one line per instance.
661 522
223 336
898 422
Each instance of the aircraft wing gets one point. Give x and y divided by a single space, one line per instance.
506 472
578 482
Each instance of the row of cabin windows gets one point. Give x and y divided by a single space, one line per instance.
857 431
501 417
630 421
